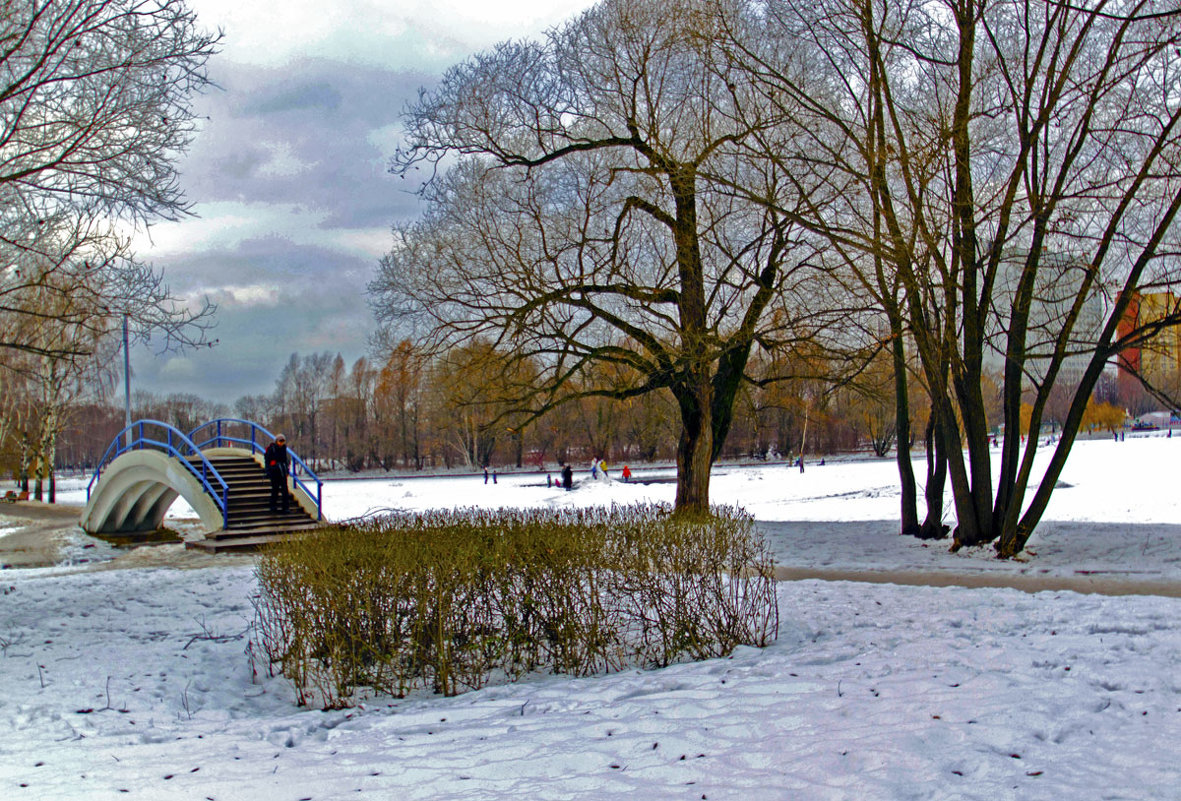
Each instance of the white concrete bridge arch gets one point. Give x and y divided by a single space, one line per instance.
136 490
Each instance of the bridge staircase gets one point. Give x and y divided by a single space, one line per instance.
249 521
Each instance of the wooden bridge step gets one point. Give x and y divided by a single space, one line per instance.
251 543
248 539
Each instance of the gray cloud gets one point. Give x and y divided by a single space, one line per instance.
310 95
275 298
304 148
290 175
306 133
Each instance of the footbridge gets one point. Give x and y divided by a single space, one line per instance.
217 468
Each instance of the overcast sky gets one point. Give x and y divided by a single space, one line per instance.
289 174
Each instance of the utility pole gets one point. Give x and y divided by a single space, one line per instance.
126 381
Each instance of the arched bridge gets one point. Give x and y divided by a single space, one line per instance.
217 467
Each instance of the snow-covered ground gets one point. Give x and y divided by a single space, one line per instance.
134 682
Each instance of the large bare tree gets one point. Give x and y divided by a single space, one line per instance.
593 206
94 111
1017 173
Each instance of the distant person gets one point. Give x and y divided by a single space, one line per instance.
485 474
568 477
549 480
603 468
277 463
594 469
627 474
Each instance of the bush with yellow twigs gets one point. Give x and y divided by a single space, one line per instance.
449 601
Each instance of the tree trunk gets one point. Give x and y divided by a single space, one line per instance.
695 448
1015 534
726 382
803 440
48 448
933 527
26 462
694 390
909 511
972 487
971 527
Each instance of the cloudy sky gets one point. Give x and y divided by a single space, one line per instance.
289 174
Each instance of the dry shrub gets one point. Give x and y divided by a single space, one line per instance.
451 600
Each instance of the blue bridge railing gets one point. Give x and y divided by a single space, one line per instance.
157 435
231 432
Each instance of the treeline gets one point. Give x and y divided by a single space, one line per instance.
412 412
409 411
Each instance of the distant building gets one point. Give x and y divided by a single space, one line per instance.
1157 361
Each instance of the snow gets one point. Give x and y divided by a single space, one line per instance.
133 682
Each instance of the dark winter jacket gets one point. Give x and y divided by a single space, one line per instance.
276 460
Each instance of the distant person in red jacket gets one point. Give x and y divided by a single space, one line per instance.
276 463
627 473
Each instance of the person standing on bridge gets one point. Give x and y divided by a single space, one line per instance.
277 463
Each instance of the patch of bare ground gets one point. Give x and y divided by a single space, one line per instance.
34 534
1083 583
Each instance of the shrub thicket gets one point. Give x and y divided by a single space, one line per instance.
451 600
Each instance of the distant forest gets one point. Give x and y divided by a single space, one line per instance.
418 413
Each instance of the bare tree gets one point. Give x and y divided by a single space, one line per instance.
599 212
473 390
301 393
80 274
52 379
871 402
399 407
256 408
1017 168
94 109
354 408
94 103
